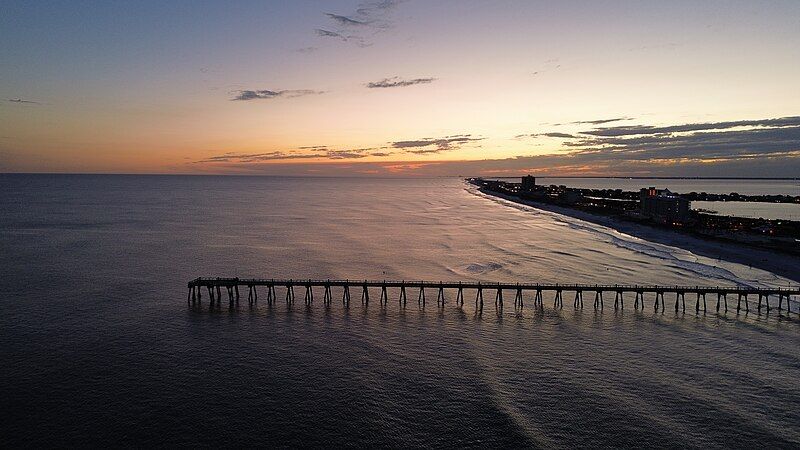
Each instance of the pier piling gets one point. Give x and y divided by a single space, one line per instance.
346 295
365 294
578 299
327 296
309 297
558 302
619 300
214 287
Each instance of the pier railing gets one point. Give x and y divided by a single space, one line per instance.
742 294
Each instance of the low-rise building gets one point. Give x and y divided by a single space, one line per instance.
570 197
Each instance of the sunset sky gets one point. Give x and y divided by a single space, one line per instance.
401 87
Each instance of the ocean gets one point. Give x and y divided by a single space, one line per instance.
101 349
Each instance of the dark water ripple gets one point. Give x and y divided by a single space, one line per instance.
100 348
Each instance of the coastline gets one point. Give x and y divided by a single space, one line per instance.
784 265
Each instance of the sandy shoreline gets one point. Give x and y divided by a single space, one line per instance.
784 265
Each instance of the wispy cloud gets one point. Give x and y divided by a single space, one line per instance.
599 121
258 157
23 101
376 8
346 21
328 33
549 65
435 145
398 82
346 154
358 40
246 95
360 26
308 152
550 135
649 129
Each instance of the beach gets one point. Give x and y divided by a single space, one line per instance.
785 265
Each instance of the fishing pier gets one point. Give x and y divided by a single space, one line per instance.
744 297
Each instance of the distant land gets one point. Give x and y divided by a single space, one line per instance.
657 178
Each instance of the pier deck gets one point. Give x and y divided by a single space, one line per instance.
742 294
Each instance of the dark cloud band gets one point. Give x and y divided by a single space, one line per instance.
435 145
398 82
268 94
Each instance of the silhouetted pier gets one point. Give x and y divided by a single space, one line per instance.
521 292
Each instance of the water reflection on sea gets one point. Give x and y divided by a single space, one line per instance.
101 348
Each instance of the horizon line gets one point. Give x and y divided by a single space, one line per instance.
638 177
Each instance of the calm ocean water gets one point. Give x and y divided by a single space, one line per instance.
100 347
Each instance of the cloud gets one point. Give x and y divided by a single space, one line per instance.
690 143
307 50
319 152
747 148
705 145
600 121
713 144
346 21
550 135
541 165
593 122
376 8
549 65
23 101
258 157
649 129
365 22
397 82
345 154
245 95
326 33
435 145
358 40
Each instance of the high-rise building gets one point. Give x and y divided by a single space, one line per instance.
528 183
663 206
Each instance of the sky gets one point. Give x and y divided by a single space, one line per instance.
401 88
